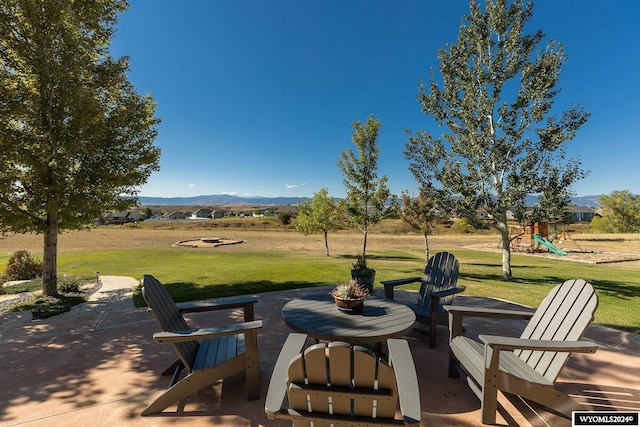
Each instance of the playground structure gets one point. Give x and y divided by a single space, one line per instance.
532 237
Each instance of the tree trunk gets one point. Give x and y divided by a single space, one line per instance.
50 273
326 242
506 251
426 247
364 245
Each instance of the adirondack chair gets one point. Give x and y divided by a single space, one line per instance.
209 354
343 385
527 366
438 288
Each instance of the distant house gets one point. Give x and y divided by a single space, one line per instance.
122 217
482 215
289 209
202 213
218 214
178 215
580 213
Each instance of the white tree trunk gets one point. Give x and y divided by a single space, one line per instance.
426 247
506 249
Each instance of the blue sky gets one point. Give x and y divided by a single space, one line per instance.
257 97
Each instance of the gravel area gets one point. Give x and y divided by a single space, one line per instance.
9 300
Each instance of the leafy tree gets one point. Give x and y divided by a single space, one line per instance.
621 213
366 193
75 137
421 214
502 139
285 218
322 215
393 211
147 213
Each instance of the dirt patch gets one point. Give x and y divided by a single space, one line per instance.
585 256
208 242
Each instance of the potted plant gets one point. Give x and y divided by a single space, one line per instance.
349 296
362 274
366 193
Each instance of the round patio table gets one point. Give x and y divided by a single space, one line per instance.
317 316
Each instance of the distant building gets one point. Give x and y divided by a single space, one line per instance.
122 217
178 215
580 213
289 209
202 213
218 214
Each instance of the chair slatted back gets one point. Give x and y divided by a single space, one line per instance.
164 310
563 315
441 273
337 378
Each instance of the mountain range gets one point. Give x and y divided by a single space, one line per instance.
230 200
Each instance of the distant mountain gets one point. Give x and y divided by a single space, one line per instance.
229 200
219 199
588 201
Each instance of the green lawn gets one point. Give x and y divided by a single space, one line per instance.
193 274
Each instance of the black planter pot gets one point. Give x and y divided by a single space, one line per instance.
365 278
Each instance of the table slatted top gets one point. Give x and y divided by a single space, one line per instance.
317 316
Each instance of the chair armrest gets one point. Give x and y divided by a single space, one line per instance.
457 312
278 384
494 345
487 312
390 284
401 360
398 282
509 343
206 333
208 305
447 292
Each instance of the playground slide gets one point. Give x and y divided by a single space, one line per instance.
553 248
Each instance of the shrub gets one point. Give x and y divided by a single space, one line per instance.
22 266
69 285
463 226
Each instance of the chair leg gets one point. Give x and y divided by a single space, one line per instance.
182 389
252 365
489 404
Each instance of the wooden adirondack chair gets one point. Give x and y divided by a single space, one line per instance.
529 365
438 288
208 354
343 385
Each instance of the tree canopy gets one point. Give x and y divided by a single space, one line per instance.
421 213
366 193
321 215
503 140
620 213
76 139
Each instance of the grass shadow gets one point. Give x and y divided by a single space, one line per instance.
383 257
189 291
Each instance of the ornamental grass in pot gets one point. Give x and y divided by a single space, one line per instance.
349 296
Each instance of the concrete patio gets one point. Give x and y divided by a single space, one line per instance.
99 366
